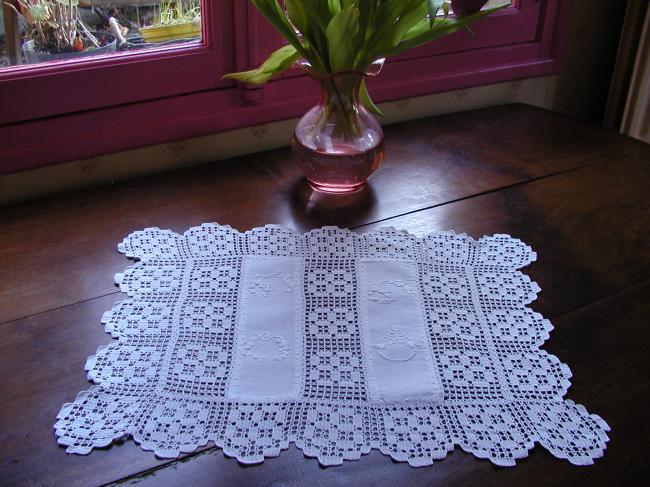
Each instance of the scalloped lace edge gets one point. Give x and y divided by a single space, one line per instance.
444 448
220 442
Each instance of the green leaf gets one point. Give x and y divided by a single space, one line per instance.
367 10
276 16
341 34
38 12
334 7
367 101
409 14
277 62
392 20
407 19
442 28
297 15
366 14
434 6
335 35
318 11
421 27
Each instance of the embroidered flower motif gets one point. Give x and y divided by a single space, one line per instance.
265 346
380 294
397 347
381 297
260 286
496 382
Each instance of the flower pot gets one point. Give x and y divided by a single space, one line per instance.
339 144
32 55
161 33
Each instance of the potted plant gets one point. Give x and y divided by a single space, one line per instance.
56 32
338 144
176 20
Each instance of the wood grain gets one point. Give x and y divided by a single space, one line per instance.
42 361
58 252
589 227
577 193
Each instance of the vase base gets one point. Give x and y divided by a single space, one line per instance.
337 188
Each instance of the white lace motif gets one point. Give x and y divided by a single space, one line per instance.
200 356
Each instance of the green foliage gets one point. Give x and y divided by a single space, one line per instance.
38 12
434 6
171 12
367 101
53 25
298 15
278 61
341 31
278 18
340 35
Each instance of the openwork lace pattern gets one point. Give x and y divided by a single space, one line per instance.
194 339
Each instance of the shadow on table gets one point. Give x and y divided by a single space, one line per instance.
312 208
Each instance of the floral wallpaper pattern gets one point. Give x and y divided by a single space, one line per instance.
89 166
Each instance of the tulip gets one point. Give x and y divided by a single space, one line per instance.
464 8
351 35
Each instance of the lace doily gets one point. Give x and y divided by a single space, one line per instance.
335 341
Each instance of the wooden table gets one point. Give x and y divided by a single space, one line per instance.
579 194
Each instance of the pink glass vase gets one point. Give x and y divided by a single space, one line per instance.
339 144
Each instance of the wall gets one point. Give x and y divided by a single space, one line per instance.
636 119
592 44
580 91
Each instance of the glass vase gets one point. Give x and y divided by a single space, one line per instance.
339 144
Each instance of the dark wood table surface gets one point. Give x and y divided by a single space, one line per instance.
577 193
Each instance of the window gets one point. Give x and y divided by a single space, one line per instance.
39 31
130 75
152 91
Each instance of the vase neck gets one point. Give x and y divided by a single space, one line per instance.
341 90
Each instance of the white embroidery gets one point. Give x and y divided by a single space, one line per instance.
397 347
261 287
253 347
381 293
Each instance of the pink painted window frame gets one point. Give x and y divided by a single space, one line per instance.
179 93
106 81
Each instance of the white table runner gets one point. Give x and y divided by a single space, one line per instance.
335 341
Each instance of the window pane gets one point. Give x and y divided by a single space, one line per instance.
489 4
494 3
38 31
